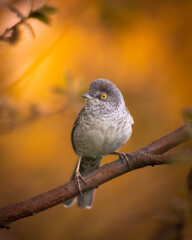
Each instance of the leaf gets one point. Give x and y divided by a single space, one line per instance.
40 16
47 9
43 13
11 35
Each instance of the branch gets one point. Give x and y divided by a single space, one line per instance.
150 155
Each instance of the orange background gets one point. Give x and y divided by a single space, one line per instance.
145 49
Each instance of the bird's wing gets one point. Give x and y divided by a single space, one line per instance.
75 125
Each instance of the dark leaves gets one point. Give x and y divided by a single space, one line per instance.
12 34
43 14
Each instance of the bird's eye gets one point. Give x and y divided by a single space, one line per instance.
104 96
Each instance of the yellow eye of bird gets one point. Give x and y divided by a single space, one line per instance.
104 96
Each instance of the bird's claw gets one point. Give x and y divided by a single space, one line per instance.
78 176
124 157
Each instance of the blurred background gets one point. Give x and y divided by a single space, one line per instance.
50 51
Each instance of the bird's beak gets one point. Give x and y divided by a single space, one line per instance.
87 96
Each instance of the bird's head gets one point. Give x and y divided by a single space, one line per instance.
103 96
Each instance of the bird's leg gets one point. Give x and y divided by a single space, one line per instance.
124 157
79 176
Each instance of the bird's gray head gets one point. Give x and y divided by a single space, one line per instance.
103 96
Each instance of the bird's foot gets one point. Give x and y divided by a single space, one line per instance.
124 157
78 176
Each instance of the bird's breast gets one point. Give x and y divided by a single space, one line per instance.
101 136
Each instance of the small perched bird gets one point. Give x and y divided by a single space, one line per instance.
101 128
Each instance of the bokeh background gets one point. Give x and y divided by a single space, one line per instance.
144 47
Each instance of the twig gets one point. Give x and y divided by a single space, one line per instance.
150 155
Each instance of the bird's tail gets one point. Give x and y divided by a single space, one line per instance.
87 165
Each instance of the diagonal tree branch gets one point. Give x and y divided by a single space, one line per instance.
150 155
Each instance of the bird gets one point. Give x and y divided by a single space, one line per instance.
101 128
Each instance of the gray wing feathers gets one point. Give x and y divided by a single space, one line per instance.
74 126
